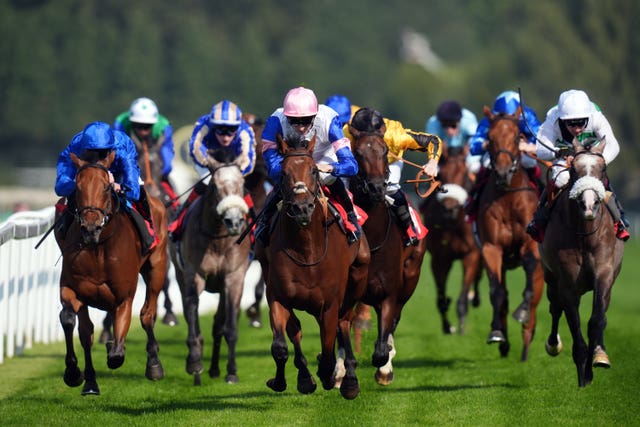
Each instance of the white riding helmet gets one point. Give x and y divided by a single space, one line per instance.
143 110
300 102
574 104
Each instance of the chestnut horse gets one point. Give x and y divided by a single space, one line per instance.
506 207
394 269
207 258
101 260
580 253
451 238
310 266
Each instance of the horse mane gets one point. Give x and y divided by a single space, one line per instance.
222 154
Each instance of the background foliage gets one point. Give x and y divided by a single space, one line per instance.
69 62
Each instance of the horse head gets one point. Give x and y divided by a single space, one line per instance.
504 136
588 172
227 189
371 151
93 195
453 167
300 178
451 201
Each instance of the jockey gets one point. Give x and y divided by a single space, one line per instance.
302 114
455 126
506 103
399 139
98 139
575 117
341 105
222 129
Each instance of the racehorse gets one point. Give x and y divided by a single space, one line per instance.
150 164
505 208
580 253
451 237
310 266
394 269
101 260
207 258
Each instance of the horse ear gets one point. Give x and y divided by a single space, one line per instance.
283 147
487 112
77 162
518 112
109 159
577 147
312 143
599 148
354 132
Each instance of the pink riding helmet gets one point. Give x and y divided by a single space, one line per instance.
300 102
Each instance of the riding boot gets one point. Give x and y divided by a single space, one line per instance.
145 227
620 224
64 216
540 219
340 192
261 232
400 207
175 226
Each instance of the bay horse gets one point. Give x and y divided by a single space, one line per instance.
310 266
394 270
506 207
101 260
208 259
580 254
451 238
150 165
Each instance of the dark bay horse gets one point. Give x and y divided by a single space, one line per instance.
451 238
580 254
394 269
506 207
310 266
101 260
207 258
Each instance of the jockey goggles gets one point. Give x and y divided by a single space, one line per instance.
576 123
225 130
300 121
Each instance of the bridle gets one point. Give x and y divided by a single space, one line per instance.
106 211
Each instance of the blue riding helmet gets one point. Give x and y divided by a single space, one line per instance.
225 113
97 136
341 105
506 103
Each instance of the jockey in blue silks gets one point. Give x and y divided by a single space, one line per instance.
98 136
302 114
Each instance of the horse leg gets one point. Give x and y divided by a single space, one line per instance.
85 333
384 374
169 316
121 324
107 334
349 387
328 321
384 344
498 295
216 333
279 317
529 328
254 309
474 295
553 345
306 383
234 287
470 269
597 324
440 266
530 264
580 349
190 303
73 377
155 279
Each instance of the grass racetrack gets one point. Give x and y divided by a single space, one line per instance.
439 380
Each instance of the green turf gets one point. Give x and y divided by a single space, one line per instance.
439 380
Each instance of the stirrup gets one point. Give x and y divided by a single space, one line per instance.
354 236
410 237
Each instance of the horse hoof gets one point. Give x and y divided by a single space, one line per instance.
496 336
600 358
231 379
114 362
521 314
277 385
197 380
379 361
214 373
154 371
384 379
350 388
194 367
553 350
91 389
170 319
254 323
73 377
306 384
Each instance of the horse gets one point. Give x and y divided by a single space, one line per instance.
310 266
394 270
580 253
150 164
505 208
451 237
208 258
101 260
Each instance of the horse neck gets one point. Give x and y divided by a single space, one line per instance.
212 223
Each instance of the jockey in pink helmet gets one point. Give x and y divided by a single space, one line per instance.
301 115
